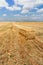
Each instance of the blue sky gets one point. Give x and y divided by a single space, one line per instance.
21 10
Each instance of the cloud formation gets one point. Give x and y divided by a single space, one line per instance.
3 3
29 8
4 14
27 5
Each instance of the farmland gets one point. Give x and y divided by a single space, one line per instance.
21 43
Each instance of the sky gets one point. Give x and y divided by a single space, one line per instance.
21 10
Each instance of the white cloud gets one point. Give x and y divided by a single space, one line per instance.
4 14
39 1
17 15
28 4
24 11
3 3
40 10
12 8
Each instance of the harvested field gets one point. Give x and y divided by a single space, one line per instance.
21 43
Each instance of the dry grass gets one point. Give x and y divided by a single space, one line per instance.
21 43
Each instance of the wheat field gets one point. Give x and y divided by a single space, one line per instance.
21 43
